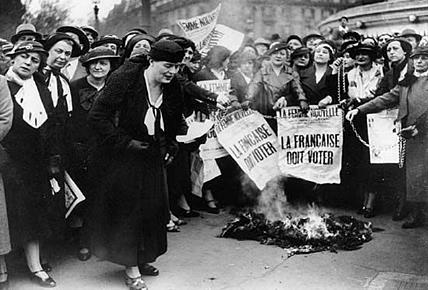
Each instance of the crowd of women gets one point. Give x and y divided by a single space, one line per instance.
106 111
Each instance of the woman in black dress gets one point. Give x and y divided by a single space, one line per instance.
34 158
131 211
99 63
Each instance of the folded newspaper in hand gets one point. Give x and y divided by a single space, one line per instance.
196 130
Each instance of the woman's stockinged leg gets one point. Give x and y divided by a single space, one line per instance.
32 254
132 272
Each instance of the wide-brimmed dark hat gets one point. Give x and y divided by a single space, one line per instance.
407 47
294 36
347 45
167 50
135 39
27 47
276 47
135 30
311 35
411 32
352 34
83 39
58 36
299 52
182 41
109 38
25 29
91 30
365 49
100 52
421 50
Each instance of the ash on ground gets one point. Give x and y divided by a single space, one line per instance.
301 235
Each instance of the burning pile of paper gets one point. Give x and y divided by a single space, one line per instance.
303 234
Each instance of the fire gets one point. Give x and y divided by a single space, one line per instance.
315 227
299 231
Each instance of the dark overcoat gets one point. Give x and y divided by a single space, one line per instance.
34 213
314 91
130 211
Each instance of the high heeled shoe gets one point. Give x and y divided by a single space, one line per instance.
148 270
135 283
210 209
46 283
187 213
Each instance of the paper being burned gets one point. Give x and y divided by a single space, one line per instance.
303 234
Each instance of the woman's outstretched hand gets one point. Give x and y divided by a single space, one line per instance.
351 114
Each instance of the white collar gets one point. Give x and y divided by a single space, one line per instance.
219 74
152 110
28 98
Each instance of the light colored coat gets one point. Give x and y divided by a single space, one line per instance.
412 110
6 116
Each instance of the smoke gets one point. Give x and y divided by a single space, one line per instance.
272 201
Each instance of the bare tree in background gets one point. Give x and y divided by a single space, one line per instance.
50 16
11 12
146 15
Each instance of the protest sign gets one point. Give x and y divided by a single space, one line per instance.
252 144
73 195
195 129
199 29
383 140
212 149
220 87
225 36
311 145
204 31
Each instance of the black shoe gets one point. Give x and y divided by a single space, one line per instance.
47 283
369 213
209 209
148 270
84 256
185 213
46 267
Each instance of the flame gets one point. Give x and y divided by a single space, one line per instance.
315 227
308 220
